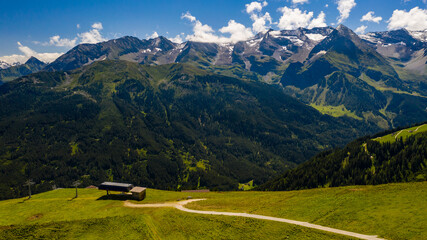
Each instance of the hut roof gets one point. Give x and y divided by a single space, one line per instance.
137 189
113 186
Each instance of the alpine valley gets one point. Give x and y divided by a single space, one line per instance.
205 115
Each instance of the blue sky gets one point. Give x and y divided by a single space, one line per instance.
48 28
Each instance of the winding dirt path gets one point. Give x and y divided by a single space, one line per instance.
180 205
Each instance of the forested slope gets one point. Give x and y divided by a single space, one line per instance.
169 127
363 161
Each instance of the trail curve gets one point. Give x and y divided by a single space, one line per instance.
180 206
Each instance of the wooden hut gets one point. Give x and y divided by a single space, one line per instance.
138 193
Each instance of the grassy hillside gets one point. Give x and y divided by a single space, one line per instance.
393 211
404 134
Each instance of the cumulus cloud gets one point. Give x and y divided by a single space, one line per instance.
62 42
201 32
27 53
299 1
97 25
93 35
369 17
261 23
177 38
361 29
188 16
205 33
154 35
255 6
293 18
344 7
415 19
237 31
319 21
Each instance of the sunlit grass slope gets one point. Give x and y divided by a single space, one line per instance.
393 211
404 133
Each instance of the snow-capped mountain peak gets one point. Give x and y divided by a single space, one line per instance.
420 35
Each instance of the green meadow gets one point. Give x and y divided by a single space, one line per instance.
392 211
404 133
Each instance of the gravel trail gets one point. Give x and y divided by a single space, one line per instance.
180 206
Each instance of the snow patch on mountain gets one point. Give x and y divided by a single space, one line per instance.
420 35
370 37
4 65
315 36
295 40
253 42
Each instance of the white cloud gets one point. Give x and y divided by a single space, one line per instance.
299 1
92 36
154 35
369 17
237 31
261 22
326 5
188 16
361 29
295 18
344 7
177 38
415 19
255 6
201 32
205 33
78 26
319 21
97 25
62 42
26 50
14 58
27 53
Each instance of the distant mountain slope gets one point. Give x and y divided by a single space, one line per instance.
170 126
363 161
346 75
125 48
30 66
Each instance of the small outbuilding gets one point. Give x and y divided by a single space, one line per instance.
138 193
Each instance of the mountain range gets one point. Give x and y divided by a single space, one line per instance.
12 72
203 115
378 77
